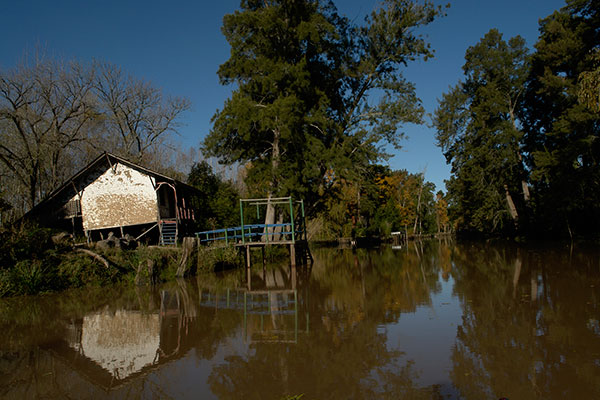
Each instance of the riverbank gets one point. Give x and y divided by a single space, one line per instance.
36 260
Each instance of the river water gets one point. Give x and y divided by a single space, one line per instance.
431 320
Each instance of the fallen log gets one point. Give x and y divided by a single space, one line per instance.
96 256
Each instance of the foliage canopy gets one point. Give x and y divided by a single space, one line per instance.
316 96
522 124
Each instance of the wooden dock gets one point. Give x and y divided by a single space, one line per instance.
247 236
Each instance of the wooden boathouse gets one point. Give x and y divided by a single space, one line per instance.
290 231
112 194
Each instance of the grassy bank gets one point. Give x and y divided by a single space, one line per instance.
31 262
36 260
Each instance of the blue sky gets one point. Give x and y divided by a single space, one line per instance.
178 46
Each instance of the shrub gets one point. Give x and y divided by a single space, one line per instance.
211 258
78 269
23 243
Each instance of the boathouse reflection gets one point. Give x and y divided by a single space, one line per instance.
110 347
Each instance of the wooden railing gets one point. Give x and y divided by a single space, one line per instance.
289 233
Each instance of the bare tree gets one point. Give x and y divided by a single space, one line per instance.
56 116
137 116
45 110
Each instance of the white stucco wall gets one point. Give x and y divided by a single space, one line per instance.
121 196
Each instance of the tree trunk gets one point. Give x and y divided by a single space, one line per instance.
189 246
418 207
277 230
270 214
146 273
511 206
526 195
96 256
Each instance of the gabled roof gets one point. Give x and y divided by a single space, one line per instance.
103 158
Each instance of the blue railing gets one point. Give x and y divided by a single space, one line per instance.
250 233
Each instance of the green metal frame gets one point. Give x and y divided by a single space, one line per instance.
275 201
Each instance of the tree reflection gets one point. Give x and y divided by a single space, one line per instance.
526 331
352 294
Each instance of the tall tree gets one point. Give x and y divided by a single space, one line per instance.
45 110
441 212
562 133
304 76
479 131
137 117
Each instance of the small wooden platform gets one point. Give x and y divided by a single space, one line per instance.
247 236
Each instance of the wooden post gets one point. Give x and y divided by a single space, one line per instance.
292 220
249 282
295 315
293 273
248 261
242 220
189 248
303 219
292 255
245 312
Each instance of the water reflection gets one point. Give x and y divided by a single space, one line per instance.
430 320
526 323
122 343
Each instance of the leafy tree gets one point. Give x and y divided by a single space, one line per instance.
304 75
387 201
216 203
479 131
441 212
406 203
589 85
426 211
562 133
404 195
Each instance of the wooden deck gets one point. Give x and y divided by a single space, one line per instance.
247 236
259 236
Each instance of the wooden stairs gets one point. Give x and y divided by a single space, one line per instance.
168 232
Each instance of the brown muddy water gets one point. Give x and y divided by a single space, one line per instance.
433 320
